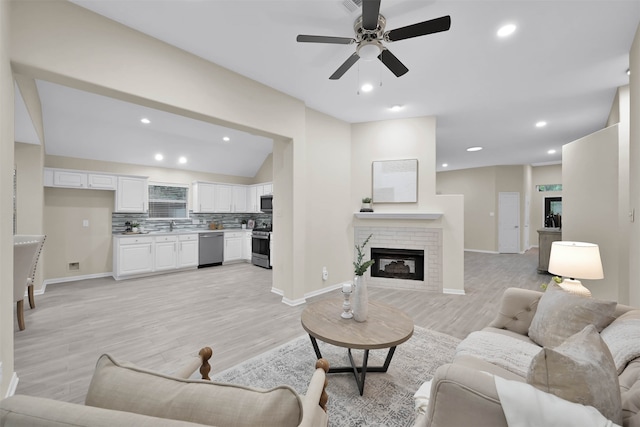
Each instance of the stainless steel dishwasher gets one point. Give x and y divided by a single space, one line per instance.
210 249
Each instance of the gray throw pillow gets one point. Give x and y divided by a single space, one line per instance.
580 370
561 314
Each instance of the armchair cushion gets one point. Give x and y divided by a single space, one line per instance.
580 370
125 387
561 314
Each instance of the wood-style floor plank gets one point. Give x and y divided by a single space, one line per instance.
157 322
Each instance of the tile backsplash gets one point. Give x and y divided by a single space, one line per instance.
195 221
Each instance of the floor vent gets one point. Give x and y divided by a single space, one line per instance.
352 5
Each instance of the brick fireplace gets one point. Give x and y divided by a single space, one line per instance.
405 241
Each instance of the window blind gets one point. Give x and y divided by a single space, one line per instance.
167 201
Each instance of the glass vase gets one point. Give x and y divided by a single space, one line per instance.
360 299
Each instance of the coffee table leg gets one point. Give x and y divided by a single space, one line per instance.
363 370
314 343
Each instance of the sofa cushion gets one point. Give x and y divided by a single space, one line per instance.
622 337
561 314
125 387
630 392
580 370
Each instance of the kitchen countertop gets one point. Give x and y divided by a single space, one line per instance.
176 232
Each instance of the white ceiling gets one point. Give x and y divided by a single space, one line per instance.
562 65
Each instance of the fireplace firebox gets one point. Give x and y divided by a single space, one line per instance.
405 264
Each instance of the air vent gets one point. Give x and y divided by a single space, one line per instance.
352 5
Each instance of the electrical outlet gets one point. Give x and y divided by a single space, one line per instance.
325 273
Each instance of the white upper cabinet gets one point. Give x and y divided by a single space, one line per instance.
102 182
223 198
62 178
132 194
240 198
203 197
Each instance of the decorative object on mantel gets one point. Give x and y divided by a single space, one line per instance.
366 205
360 306
346 305
395 181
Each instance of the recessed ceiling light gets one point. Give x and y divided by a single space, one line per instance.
444 165
506 30
226 139
396 108
159 157
182 160
474 148
541 124
551 151
367 87
145 120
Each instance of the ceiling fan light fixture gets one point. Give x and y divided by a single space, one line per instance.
369 51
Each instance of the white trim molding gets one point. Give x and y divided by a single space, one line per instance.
71 279
453 291
13 385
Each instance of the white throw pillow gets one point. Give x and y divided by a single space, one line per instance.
622 337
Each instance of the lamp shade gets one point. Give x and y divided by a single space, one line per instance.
577 260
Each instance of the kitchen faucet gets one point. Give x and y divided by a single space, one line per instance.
172 224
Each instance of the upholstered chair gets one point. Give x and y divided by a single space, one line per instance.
24 256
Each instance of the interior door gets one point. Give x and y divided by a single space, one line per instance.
509 223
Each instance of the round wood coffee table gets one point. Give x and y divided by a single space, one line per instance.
386 327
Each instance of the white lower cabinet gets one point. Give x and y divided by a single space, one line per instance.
166 257
187 250
133 255
233 245
136 255
246 250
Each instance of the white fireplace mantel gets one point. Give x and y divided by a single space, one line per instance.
397 215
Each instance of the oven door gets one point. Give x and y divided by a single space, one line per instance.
260 245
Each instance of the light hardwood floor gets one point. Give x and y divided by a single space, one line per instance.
156 322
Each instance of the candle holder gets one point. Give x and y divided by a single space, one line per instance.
346 306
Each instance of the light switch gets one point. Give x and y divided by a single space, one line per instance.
85 222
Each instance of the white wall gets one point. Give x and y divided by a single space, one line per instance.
6 205
590 204
410 139
634 172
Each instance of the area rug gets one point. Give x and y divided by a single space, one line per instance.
388 397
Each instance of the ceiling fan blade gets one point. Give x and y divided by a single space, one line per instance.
420 29
392 63
324 39
345 66
370 12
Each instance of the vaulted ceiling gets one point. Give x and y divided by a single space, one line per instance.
562 65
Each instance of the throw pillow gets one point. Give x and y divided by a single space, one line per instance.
623 338
125 387
580 370
561 314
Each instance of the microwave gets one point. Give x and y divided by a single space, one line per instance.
266 203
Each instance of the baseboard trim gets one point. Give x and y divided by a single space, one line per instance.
453 291
481 251
303 300
70 279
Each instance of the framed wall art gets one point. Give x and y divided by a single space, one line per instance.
395 181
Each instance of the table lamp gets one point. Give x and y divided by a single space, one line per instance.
573 261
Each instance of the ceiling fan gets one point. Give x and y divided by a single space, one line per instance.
370 34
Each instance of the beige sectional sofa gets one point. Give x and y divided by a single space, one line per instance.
464 392
121 394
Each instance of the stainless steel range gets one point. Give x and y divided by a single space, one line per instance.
260 242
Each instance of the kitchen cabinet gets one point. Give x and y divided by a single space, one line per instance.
223 198
246 250
79 179
203 197
132 194
187 250
97 181
240 198
64 178
233 246
253 195
133 255
165 257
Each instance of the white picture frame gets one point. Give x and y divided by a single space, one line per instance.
395 181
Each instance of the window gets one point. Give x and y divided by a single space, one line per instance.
551 187
168 201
